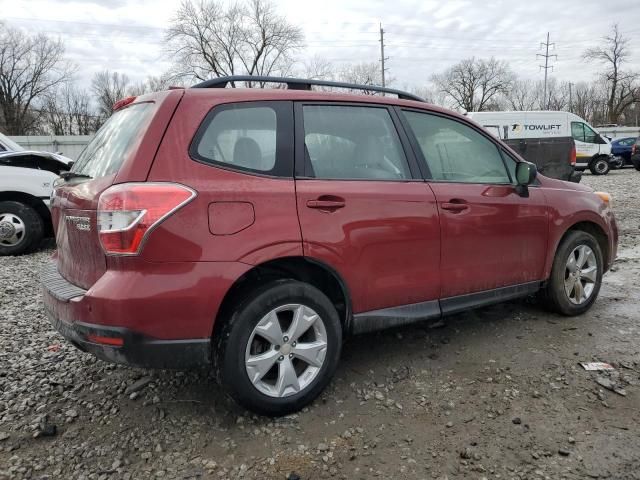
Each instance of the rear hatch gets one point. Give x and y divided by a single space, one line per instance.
121 151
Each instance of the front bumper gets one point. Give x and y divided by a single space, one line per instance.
575 176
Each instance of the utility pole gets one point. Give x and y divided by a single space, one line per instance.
546 66
571 84
382 57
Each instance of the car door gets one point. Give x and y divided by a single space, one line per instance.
491 236
363 208
586 140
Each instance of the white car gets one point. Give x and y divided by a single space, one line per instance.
26 183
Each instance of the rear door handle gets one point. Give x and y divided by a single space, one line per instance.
455 206
324 203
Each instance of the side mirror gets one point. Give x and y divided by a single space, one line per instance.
525 175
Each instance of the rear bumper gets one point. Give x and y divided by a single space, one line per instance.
146 315
136 350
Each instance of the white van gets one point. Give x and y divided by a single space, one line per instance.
593 151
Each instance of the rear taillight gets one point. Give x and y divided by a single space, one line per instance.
634 149
572 158
128 212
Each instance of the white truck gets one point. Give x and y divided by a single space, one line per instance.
593 151
26 183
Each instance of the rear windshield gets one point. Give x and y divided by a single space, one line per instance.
108 149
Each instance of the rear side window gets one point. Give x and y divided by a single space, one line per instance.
246 136
108 149
455 152
352 142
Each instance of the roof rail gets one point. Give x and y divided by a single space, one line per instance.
303 84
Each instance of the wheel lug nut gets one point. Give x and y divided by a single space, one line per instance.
280 358
291 355
293 344
285 339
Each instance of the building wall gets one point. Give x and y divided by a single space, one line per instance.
620 132
69 146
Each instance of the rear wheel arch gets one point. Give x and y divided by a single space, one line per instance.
303 269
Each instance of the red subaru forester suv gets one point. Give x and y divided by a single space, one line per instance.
253 229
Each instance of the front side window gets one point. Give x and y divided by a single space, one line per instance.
589 135
240 136
352 142
582 133
455 152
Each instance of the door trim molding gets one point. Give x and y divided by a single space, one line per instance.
416 312
468 301
395 316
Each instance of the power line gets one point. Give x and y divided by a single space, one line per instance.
546 66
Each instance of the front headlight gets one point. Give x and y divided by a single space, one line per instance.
606 198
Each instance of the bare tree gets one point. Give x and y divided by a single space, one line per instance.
208 39
363 73
67 111
151 84
30 67
623 88
475 84
428 93
557 95
522 95
318 68
109 87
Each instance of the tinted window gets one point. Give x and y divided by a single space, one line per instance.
348 142
455 152
109 147
242 137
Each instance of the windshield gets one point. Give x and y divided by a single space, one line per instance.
107 150
9 145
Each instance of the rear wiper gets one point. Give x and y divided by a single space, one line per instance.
70 175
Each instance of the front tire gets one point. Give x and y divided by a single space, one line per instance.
21 228
600 166
280 347
576 275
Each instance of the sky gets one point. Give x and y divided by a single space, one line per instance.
421 37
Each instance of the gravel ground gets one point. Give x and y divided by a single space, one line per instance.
494 393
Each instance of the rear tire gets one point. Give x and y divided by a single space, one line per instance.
562 293
21 228
600 166
259 368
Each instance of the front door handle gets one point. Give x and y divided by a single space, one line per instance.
326 202
455 206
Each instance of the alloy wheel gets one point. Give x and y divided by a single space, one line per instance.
286 350
581 274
